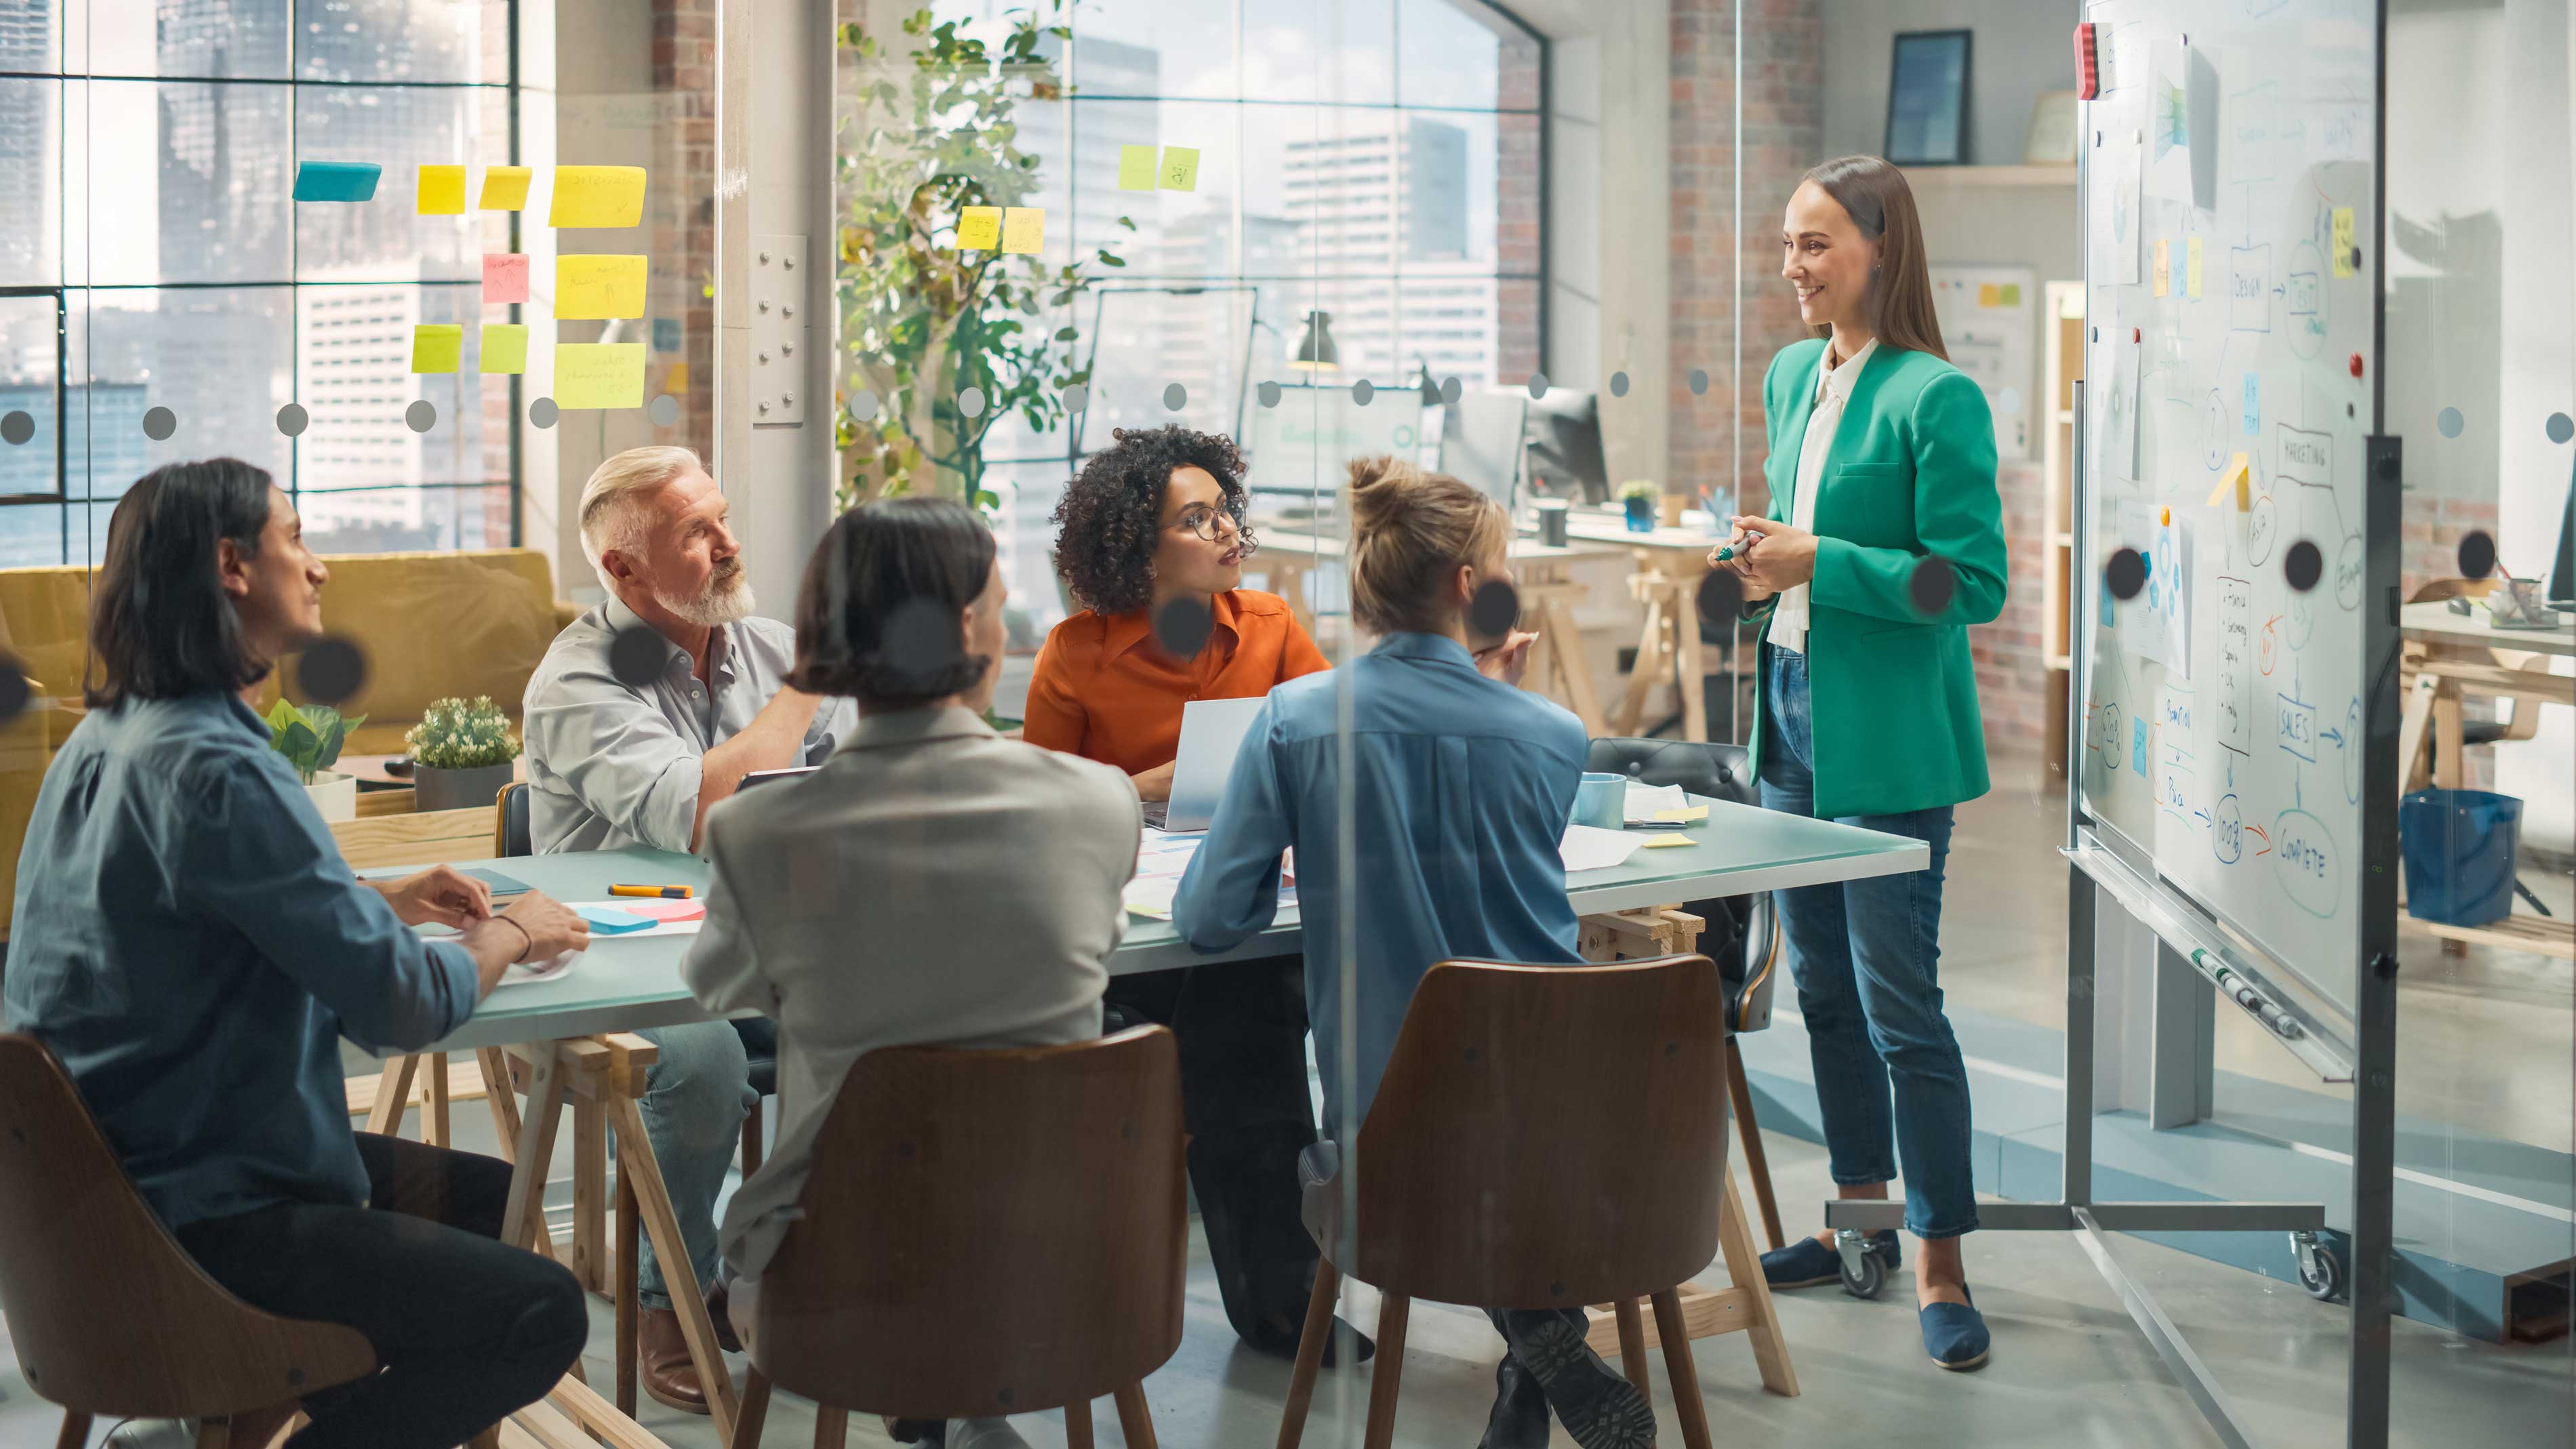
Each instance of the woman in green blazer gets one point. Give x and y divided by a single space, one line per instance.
1883 543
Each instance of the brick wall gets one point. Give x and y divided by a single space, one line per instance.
1516 200
2013 679
683 221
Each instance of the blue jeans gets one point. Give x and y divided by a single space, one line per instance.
694 1099
1867 954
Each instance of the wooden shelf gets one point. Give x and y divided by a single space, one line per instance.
1923 176
2059 662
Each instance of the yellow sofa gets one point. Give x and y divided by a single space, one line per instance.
428 625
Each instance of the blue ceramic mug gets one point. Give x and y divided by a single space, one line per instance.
1601 800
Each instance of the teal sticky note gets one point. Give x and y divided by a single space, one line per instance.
2137 750
337 180
610 921
2253 404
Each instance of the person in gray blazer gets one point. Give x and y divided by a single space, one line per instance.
835 898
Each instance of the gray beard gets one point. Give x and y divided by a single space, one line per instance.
726 600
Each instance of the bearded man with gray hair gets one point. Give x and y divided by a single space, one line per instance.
639 760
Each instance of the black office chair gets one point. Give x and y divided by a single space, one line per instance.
1742 935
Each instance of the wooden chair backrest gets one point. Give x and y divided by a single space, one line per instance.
1547 1137
986 1232
108 1313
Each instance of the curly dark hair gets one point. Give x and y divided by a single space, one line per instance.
1112 514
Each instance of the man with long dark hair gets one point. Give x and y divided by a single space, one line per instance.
189 942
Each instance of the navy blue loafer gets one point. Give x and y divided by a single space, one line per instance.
1955 1335
1807 1263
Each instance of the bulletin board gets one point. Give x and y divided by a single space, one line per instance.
1989 319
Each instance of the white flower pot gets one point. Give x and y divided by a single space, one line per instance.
334 794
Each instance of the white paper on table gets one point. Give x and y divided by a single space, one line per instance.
1588 847
1645 800
658 928
1162 858
534 971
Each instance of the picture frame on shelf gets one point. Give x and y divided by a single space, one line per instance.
1929 73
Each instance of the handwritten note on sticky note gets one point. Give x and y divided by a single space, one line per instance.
1180 170
979 229
1023 229
337 180
597 287
1669 839
2343 241
2191 268
599 375
1695 812
596 196
1135 168
505 188
505 277
436 347
505 347
442 191
2164 266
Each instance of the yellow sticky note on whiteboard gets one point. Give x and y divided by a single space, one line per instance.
595 287
979 229
599 375
1135 168
441 192
505 188
2191 268
436 347
2164 266
2234 475
2343 241
597 196
1024 229
1668 840
1180 171
505 347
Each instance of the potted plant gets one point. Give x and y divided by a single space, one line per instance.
310 736
1637 496
461 754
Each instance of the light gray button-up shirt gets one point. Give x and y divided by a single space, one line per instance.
611 765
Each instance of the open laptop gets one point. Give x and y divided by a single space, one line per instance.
1211 731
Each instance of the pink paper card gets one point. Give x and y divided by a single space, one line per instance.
505 277
664 911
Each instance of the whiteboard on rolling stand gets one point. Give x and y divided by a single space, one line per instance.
2229 186
1988 317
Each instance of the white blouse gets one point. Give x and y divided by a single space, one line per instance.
1833 389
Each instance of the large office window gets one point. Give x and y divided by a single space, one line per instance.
163 298
1377 161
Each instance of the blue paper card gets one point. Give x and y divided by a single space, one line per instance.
337 180
610 921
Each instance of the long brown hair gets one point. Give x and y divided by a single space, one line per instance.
1874 195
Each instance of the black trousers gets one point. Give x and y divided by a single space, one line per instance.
1241 1030
465 1330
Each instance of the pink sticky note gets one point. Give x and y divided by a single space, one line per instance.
505 277
665 911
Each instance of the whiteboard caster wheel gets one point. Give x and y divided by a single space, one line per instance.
2320 1270
1864 1272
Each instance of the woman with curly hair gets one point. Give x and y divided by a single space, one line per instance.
1155 519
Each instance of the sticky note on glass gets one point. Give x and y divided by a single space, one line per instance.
436 347
1180 171
979 229
2343 241
2191 267
2164 266
337 180
677 383
1136 168
1668 840
441 192
599 375
596 196
2234 475
505 347
1695 812
505 188
1023 229
505 277
598 287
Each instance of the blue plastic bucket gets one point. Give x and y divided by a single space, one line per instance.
2459 847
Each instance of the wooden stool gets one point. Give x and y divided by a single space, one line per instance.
1557 660
110 1315
983 1233
1669 640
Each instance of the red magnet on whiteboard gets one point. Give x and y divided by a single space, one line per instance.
2137 336
2088 66
2356 364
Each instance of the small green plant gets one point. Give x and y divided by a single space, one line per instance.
455 735
1636 488
309 735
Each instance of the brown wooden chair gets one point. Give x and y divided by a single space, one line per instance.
110 1315
1544 1137
984 1233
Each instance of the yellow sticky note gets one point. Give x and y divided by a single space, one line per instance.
442 191
1668 840
2233 475
597 196
2191 268
2164 266
1695 812
677 383
1990 294
599 375
436 347
505 188
1135 168
505 347
595 287
1180 169
1023 229
979 228
2343 241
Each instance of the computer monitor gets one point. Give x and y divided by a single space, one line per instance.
1480 441
1564 446
2562 574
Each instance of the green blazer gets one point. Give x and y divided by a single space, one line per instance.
1911 475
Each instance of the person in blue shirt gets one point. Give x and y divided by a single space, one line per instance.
1460 785
190 944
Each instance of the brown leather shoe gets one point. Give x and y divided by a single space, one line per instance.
668 1374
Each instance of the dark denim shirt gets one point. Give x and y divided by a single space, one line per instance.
189 942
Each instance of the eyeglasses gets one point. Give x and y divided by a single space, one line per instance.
1209 525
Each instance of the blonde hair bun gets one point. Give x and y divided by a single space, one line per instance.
1411 531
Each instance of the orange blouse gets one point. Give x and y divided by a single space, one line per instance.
1106 691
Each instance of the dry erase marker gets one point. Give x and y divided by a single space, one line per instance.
667 893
